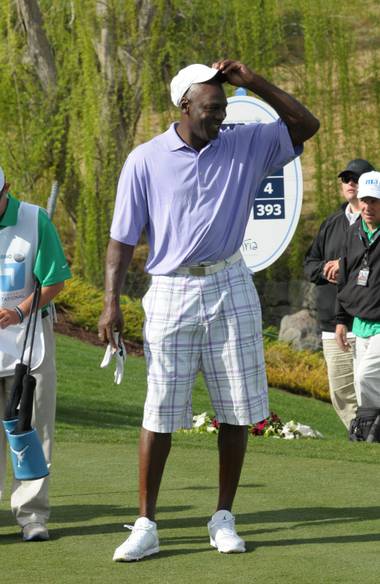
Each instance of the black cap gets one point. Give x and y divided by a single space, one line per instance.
357 166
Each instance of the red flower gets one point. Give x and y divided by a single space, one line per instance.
255 431
259 428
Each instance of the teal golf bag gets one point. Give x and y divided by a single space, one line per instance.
27 456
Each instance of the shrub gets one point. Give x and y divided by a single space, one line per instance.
300 372
83 304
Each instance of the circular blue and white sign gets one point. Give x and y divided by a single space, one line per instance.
277 206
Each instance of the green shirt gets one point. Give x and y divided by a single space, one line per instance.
50 266
361 327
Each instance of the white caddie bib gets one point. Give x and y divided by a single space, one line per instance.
18 249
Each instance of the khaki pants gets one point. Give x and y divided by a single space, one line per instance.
367 371
29 499
340 370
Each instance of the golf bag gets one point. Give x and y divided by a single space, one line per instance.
27 456
365 427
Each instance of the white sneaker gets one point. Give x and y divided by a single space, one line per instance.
223 534
142 542
35 532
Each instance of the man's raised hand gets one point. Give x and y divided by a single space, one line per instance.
235 72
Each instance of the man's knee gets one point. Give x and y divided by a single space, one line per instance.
232 435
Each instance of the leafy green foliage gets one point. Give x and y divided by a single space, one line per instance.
300 372
113 61
83 305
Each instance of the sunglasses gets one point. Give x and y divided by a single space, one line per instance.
346 179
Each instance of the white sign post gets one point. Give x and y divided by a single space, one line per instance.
277 206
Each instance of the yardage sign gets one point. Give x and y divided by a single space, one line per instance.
278 201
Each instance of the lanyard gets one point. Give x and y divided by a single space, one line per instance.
367 244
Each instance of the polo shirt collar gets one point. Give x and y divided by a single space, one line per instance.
175 142
9 217
370 234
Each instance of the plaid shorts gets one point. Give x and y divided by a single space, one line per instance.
210 324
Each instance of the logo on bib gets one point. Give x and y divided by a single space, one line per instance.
12 277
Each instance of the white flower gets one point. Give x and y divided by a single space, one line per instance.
292 430
211 429
200 420
307 432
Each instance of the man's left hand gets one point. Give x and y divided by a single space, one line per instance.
235 72
341 337
120 353
8 317
331 271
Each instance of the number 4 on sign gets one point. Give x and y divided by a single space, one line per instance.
268 188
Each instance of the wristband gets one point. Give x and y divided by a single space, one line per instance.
19 313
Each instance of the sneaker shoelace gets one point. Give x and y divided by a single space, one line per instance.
227 527
137 533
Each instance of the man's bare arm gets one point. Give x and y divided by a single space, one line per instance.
118 258
301 123
9 316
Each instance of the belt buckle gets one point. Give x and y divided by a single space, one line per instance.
197 270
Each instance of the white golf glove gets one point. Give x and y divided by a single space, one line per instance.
121 355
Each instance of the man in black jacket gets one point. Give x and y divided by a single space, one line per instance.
358 293
321 267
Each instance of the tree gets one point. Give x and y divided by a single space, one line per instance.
84 80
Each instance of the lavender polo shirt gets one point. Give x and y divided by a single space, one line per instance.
195 205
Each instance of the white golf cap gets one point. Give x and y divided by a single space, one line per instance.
186 77
2 178
369 185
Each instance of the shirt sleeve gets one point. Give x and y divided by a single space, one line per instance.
269 146
51 266
130 213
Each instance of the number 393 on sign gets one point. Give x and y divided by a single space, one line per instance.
268 210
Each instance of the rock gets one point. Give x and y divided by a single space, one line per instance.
302 295
301 331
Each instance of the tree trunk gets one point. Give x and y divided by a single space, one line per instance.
39 47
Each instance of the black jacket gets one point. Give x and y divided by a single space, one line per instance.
354 300
326 246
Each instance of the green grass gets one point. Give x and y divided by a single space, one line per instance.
88 398
308 510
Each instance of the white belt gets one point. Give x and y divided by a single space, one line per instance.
207 268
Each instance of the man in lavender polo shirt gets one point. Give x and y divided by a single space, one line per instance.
192 189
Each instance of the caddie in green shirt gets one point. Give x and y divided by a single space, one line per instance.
30 250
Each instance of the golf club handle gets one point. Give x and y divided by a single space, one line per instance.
33 309
34 316
24 422
16 392
52 200
374 433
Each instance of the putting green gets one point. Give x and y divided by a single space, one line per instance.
308 510
305 519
